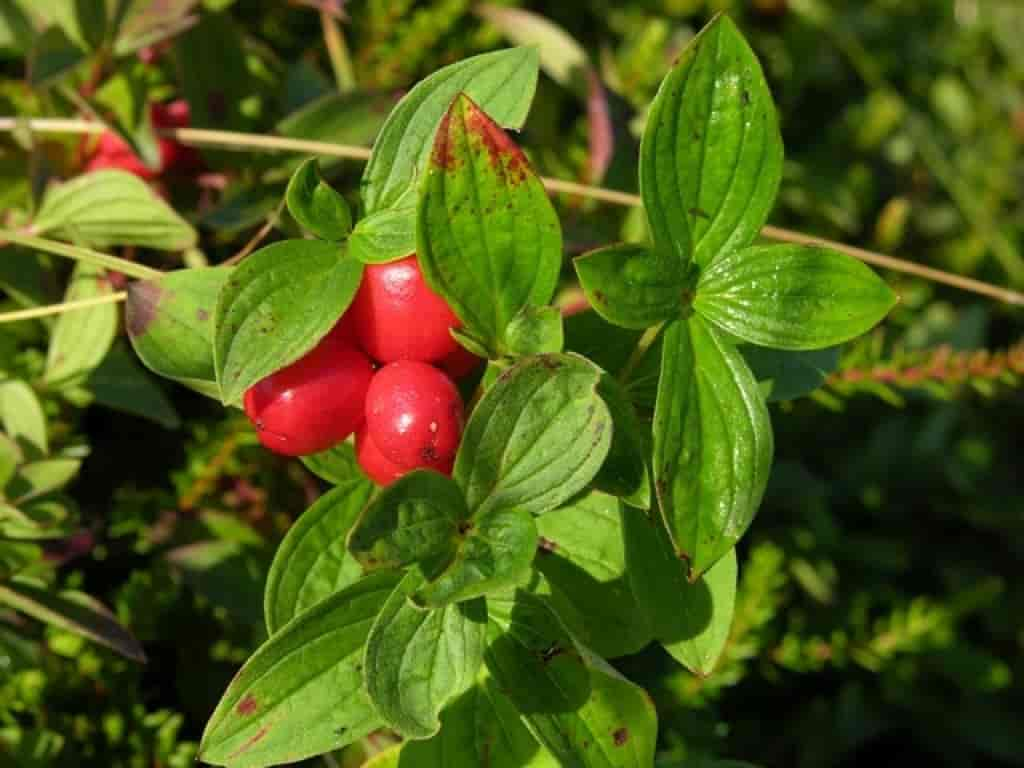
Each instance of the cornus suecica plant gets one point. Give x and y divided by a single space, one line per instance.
495 533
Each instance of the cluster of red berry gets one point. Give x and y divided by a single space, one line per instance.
384 372
176 159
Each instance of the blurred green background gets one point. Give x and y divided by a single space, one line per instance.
880 616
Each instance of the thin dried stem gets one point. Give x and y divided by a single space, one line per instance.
242 141
77 253
60 309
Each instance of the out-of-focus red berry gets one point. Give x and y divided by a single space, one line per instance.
314 403
397 317
373 462
414 415
175 158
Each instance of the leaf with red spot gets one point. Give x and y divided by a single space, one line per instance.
302 693
488 237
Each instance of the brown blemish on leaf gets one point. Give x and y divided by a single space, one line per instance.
547 545
700 213
247 705
256 738
443 157
141 306
202 315
620 736
465 526
502 151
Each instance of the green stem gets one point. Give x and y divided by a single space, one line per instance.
337 51
644 344
60 309
104 260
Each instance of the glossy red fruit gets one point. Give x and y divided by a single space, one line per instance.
414 415
373 462
314 403
460 363
397 317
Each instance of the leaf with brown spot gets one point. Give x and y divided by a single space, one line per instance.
169 324
488 238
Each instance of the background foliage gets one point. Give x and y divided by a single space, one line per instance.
878 607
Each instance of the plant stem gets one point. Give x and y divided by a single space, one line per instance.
241 141
60 309
104 260
337 51
644 343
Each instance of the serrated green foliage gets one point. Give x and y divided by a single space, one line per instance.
502 83
120 383
312 562
583 560
536 438
711 154
712 443
493 551
481 727
418 659
792 297
302 692
488 238
577 706
632 286
38 478
625 472
79 341
416 519
690 620
170 324
105 208
384 236
317 206
276 306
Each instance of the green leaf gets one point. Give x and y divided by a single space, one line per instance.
488 238
53 56
317 206
384 236
712 443
691 621
37 478
83 22
123 385
795 297
480 728
170 324
10 457
577 706
494 551
787 375
502 83
312 562
276 307
632 286
560 56
336 465
417 660
146 23
302 693
711 153
414 520
105 208
81 339
583 561
213 73
48 518
536 438
16 31
22 413
74 611
625 471
590 335
535 331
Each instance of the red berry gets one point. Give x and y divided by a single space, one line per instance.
314 403
373 462
414 415
175 158
397 317
459 363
